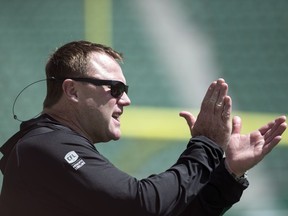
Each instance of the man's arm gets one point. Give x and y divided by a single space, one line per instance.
218 195
243 152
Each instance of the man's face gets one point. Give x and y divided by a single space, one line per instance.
98 111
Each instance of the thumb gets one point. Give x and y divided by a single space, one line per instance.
236 125
190 119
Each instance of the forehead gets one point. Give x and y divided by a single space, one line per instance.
103 66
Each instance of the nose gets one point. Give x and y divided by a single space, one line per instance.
124 100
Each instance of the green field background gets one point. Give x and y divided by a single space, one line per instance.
172 51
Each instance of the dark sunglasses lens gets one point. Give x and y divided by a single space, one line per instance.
117 89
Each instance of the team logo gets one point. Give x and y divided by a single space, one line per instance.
74 160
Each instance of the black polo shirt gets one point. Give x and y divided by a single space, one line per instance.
51 170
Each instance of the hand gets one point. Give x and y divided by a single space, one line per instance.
213 120
245 151
190 119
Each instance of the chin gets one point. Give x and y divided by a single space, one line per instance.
116 138
116 135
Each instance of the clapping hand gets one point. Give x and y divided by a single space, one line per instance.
245 151
242 151
213 120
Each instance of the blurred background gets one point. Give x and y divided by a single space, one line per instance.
173 50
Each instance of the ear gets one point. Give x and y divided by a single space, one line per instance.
70 90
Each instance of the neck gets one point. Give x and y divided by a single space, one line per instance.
64 117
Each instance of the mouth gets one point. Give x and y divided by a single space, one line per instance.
116 116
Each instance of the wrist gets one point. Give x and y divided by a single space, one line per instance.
239 177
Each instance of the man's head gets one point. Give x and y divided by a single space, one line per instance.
86 89
72 60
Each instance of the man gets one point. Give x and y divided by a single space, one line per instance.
51 167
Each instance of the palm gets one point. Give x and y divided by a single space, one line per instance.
245 151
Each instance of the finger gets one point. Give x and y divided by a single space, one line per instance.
212 94
277 130
221 96
215 94
207 97
236 125
270 125
226 109
268 147
273 129
190 119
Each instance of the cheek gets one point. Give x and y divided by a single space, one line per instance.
90 113
101 113
98 111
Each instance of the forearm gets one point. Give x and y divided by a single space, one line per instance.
175 188
218 195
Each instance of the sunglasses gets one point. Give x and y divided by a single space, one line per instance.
117 87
